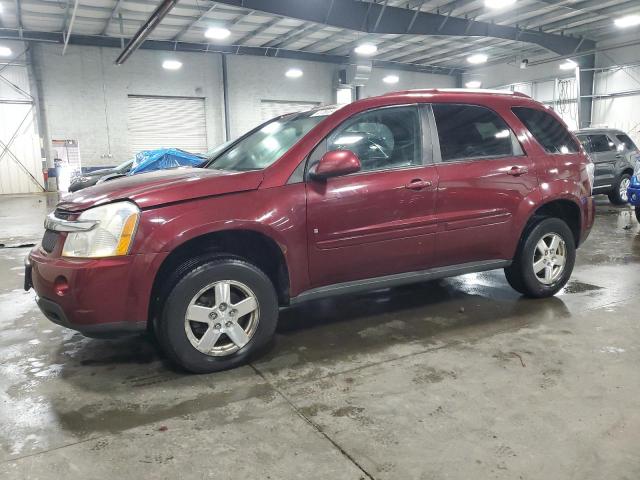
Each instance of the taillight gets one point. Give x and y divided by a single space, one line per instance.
591 171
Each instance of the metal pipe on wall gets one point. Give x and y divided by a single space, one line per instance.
225 98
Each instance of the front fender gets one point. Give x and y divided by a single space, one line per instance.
278 213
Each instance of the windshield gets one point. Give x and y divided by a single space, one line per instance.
261 148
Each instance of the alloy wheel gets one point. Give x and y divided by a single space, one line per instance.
222 318
549 258
624 185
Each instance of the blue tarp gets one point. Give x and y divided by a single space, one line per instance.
164 158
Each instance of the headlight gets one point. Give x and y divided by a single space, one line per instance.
112 235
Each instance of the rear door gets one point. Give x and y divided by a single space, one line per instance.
484 176
381 220
604 154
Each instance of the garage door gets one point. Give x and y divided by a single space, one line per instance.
20 156
275 108
166 122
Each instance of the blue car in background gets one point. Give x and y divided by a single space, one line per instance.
633 192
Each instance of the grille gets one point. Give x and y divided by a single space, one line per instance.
49 240
64 215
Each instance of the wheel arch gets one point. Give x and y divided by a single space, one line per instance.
563 208
252 245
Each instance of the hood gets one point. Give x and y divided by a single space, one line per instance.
163 186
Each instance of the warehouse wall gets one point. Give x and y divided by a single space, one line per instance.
618 111
623 111
85 94
408 80
253 79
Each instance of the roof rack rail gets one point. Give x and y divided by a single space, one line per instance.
460 90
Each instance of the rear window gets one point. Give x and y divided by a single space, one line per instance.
473 132
628 143
597 143
547 130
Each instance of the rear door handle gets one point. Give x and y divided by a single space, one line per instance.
517 171
418 184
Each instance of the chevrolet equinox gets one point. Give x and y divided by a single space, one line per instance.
401 188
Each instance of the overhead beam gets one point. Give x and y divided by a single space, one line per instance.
145 30
170 45
114 14
363 16
197 20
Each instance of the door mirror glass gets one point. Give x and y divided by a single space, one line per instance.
335 164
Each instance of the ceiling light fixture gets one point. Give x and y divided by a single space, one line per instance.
627 21
477 58
293 73
473 84
217 33
366 49
568 65
5 52
172 65
496 4
391 79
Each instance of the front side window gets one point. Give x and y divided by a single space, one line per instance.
626 141
547 130
262 147
382 139
472 132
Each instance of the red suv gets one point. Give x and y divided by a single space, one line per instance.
385 191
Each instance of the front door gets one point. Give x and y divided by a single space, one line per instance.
380 220
484 178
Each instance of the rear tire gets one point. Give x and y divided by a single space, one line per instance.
618 196
544 261
198 329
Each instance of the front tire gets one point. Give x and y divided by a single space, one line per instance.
544 261
219 315
638 214
618 195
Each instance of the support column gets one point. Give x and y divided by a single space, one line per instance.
584 81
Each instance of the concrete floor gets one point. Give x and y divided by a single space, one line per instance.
453 379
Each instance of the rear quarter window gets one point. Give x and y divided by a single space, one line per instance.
547 130
468 132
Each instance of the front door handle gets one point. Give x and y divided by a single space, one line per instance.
418 184
517 171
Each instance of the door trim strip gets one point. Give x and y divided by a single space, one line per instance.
387 281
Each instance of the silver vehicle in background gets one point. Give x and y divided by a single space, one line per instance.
614 154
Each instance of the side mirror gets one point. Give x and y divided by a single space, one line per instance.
335 164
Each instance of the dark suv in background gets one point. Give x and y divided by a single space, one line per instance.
402 188
614 155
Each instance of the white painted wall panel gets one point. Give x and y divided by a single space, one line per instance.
21 164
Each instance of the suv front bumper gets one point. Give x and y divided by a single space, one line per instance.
97 297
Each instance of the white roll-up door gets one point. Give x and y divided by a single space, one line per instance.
275 108
166 122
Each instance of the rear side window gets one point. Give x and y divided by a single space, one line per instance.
547 130
472 132
628 143
597 143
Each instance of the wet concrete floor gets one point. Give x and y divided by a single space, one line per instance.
456 379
